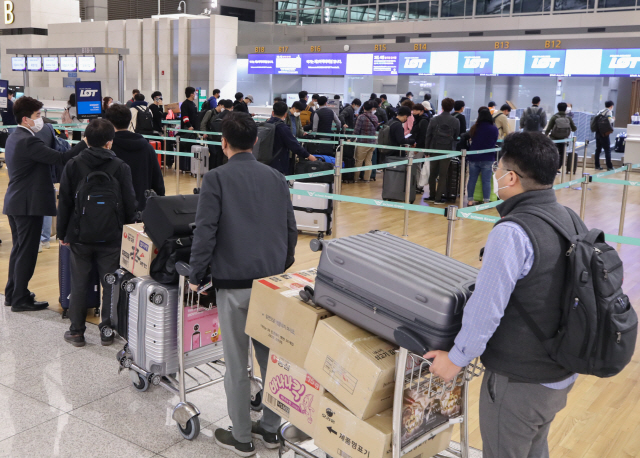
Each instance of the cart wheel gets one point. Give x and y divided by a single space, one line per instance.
192 430
256 402
106 331
96 312
142 385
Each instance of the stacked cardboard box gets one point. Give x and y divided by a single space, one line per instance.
138 251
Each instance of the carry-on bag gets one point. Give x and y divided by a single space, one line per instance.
169 216
93 299
158 147
349 160
453 179
184 162
200 160
119 281
313 214
400 291
304 167
394 181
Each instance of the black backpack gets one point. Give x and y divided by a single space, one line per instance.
599 327
532 123
98 204
442 137
263 149
144 121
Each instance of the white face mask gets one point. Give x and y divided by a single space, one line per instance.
38 124
568 110
296 114
496 185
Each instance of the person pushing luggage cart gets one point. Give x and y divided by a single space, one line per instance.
244 233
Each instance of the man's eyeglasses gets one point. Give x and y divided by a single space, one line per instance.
494 169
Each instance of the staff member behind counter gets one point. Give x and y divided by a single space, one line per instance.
30 197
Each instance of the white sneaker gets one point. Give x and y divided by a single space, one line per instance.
40 248
45 245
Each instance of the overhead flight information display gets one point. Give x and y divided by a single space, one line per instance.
546 62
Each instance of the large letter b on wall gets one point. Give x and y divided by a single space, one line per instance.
8 12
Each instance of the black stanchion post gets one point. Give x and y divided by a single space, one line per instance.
563 161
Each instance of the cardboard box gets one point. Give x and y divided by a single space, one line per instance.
137 250
292 393
279 319
340 433
355 366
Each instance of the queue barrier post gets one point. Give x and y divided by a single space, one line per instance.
339 158
463 160
337 188
407 193
585 188
177 164
163 159
625 191
574 158
452 216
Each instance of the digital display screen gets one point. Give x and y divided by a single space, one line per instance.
359 64
620 62
34 64
87 64
88 99
444 63
68 64
4 86
385 63
324 64
545 62
50 64
412 63
509 62
475 63
18 64
583 62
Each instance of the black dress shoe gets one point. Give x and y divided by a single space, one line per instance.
30 306
7 302
74 338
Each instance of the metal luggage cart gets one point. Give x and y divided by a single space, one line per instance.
418 380
202 374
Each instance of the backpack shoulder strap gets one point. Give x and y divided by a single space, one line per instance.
113 166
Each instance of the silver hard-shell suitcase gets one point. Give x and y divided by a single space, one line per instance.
200 160
313 214
398 290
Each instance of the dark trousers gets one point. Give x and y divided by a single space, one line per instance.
438 174
25 235
561 152
603 143
82 256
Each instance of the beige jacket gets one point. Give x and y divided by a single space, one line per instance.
502 123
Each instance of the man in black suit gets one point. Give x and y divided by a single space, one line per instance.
30 197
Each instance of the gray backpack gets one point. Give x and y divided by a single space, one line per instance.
263 149
443 137
561 128
532 123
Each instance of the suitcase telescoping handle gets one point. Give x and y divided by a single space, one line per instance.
408 339
183 268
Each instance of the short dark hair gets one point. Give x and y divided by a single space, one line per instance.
156 94
409 94
135 91
404 111
418 106
336 97
315 97
216 91
535 100
119 115
278 99
239 95
25 107
298 105
427 96
562 106
241 131
189 90
458 105
608 103
322 100
367 106
228 104
139 97
447 104
10 92
356 102
491 104
302 94
383 96
506 107
373 96
280 108
72 99
99 132
534 156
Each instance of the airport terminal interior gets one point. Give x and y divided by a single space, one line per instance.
346 384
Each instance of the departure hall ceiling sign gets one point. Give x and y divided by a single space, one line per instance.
9 17
553 62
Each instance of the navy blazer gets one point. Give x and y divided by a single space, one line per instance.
29 160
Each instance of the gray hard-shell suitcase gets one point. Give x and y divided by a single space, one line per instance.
398 290
200 160
394 180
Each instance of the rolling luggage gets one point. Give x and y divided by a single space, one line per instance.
64 281
200 160
453 179
158 147
394 181
313 214
349 160
184 162
119 281
398 290
313 167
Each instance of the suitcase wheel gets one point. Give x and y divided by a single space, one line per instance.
156 298
106 331
316 245
256 402
307 294
129 287
110 279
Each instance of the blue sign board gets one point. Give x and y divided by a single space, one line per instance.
89 99
414 63
547 62
475 63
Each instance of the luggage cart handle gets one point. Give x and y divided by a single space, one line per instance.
183 268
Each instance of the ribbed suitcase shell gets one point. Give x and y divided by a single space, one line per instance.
200 159
310 221
381 283
153 330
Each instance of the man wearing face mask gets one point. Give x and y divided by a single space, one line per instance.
93 232
157 111
523 274
285 145
293 120
245 230
29 198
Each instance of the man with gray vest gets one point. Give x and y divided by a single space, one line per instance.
524 268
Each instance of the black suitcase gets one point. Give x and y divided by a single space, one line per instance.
453 179
92 300
394 181
572 158
349 159
314 167
120 292
169 216
400 291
